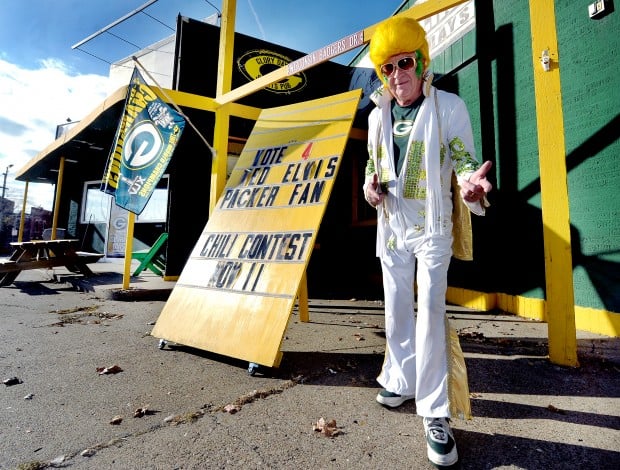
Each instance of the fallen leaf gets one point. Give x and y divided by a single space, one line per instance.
556 410
140 412
109 370
327 428
118 419
12 381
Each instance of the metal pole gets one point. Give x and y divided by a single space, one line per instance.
6 172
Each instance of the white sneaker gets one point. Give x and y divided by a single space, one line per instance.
440 444
391 399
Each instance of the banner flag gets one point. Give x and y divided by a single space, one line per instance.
146 137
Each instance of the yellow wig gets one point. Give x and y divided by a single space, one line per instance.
398 35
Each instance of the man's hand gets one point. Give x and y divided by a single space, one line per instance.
373 194
477 186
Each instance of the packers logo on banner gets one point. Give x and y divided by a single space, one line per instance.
145 141
256 63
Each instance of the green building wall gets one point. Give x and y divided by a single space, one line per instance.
491 69
590 66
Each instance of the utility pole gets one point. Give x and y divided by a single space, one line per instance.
6 172
3 206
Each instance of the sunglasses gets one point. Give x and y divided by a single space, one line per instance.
406 63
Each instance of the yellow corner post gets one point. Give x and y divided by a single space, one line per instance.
560 302
222 114
22 220
131 219
302 299
61 174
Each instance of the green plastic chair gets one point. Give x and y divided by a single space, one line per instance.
154 258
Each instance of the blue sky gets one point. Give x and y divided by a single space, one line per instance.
43 81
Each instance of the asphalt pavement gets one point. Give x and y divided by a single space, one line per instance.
88 387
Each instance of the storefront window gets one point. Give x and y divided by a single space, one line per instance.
96 204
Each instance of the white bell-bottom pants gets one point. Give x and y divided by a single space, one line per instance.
416 357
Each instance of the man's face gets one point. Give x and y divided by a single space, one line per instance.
402 81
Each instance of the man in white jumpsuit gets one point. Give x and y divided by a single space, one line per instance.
418 138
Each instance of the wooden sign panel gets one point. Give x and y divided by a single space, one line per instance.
237 289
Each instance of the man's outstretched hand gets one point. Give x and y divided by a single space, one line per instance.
477 186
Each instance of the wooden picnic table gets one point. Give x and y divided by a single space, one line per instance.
38 254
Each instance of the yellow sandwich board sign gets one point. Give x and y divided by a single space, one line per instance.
239 285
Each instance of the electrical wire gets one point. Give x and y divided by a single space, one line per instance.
119 21
158 20
219 13
123 39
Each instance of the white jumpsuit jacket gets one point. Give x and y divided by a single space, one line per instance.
414 225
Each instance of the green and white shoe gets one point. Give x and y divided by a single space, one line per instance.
440 444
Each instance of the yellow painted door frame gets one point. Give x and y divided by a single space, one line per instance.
560 301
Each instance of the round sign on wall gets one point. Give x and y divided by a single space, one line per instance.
256 63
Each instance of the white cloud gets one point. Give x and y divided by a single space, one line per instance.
32 104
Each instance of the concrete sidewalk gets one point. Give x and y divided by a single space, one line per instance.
182 408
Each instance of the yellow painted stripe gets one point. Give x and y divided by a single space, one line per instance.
471 299
523 306
602 322
598 321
